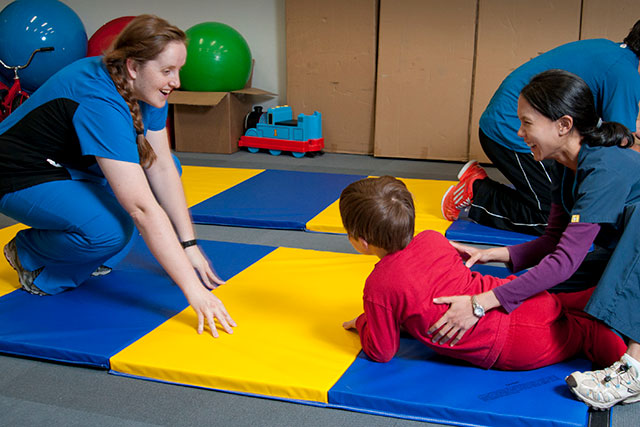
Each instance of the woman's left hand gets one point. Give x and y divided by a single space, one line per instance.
201 264
455 322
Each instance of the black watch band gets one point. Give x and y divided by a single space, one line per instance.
188 243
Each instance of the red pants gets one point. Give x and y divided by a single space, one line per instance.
549 328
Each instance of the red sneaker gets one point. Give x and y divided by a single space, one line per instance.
459 196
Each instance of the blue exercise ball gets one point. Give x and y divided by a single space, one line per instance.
26 25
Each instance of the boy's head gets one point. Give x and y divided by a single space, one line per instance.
380 211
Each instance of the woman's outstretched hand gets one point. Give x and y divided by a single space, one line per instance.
203 267
208 307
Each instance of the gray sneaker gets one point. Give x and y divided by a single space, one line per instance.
619 383
26 278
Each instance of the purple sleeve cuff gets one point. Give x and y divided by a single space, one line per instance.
528 254
554 269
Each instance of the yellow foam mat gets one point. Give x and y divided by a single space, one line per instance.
427 195
289 342
8 277
201 183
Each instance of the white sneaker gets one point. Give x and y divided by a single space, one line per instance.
619 383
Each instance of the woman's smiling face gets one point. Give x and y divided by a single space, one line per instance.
538 131
153 81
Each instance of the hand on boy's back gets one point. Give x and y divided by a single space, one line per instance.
469 254
350 324
472 255
455 322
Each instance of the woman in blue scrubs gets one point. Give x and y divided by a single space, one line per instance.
596 200
612 72
87 157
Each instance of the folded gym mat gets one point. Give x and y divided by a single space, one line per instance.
289 344
273 199
88 325
471 232
426 196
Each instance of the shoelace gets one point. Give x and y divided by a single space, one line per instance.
623 373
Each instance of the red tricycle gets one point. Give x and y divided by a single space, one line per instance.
12 97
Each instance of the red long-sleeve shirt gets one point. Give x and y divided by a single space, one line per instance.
399 294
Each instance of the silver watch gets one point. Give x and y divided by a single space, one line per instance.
478 310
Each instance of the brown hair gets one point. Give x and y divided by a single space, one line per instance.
142 40
379 210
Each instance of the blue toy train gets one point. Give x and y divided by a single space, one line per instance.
277 131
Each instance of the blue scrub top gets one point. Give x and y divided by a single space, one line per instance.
609 69
75 115
607 180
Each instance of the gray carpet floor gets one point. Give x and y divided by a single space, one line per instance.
35 393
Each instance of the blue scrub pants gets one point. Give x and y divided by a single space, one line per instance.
616 299
76 227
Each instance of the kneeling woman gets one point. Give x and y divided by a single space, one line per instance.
596 200
103 117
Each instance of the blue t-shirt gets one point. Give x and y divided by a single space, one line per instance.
75 115
605 183
609 69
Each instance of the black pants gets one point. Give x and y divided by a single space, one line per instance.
525 208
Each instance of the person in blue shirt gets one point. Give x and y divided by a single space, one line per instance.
596 201
86 158
612 72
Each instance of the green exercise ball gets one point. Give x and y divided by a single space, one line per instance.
218 59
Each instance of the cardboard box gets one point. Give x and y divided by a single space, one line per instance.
425 63
608 19
212 122
331 68
509 34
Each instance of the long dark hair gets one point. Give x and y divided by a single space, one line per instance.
142 40
633 39
556 93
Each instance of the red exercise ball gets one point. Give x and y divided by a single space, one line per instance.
102 38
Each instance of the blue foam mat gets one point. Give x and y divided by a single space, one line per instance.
467 231
88 325
419 384
273 199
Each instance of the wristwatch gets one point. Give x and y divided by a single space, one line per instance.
478 310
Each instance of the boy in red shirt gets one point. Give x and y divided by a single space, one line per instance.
379 216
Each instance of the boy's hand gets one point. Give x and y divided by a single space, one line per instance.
350 324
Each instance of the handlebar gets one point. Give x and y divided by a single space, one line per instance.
20 67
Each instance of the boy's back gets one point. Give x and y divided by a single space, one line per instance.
399 293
